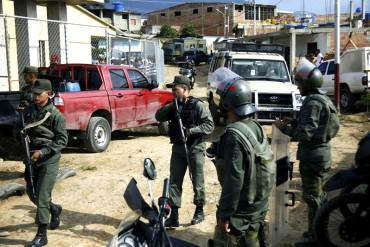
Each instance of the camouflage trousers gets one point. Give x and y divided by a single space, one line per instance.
247 239
44 180
312 183
178 169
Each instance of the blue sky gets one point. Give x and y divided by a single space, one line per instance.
315 6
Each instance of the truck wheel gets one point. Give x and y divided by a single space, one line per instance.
215 114
346 99
98 135
163 128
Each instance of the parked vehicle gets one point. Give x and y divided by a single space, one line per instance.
187 69
267 74
133 231
354 76
196 57
176 47
98 99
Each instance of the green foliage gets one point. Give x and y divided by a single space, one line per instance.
188 30
168 32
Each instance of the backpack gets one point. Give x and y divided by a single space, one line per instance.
262 171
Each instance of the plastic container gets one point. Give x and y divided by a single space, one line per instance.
118 7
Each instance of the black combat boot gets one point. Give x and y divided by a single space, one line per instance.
173 220
198 215
55 211
41 238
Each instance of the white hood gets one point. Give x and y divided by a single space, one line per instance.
273 87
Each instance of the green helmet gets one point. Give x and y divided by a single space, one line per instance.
235 93
307 74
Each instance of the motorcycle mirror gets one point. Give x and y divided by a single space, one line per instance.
149 169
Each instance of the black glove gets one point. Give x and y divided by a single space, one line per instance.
186 132
212 150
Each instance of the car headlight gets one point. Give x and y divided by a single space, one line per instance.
299 99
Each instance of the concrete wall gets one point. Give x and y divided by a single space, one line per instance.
78 40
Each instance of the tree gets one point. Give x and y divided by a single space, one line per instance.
168 32
188 30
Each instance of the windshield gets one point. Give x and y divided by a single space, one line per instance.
136 202
253 69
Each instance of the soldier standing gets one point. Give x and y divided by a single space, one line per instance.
30 74
316 124
45 126
245 169
198 123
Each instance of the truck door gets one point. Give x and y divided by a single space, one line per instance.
147 102
121 98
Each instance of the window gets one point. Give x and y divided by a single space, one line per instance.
323 67
67 74
177 13
260 69
137 79
125 16
209 9
118 78
195 11
239 8
163 14
93 79
133 22
331 68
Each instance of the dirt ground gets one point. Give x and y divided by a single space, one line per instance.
93 203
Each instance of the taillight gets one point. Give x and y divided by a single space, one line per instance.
59 103
365 81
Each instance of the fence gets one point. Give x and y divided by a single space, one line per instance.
30 41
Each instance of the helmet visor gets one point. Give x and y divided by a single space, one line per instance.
222 78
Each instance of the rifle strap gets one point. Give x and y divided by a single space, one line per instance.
35 124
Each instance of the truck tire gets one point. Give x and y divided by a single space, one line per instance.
163 128
346 99
98 135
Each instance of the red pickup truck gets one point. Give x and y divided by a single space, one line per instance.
98 99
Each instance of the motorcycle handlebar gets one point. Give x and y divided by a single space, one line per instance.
166 188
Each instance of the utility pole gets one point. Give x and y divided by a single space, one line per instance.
254 18
337 54
202 19
225 20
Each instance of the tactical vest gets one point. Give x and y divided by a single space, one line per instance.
329 122
40 130
261 174
189 119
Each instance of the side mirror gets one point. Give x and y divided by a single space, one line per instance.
154 84
149 169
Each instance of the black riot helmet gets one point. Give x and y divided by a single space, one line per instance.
307 74
235 93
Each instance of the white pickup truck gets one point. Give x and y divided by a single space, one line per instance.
354 76
275 96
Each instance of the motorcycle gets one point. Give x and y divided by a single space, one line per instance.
345 219
187 69
134 232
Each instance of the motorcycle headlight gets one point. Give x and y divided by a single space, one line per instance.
299 99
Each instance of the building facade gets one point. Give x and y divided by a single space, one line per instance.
217 19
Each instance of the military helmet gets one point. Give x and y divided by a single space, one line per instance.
308 74
362 156
235 93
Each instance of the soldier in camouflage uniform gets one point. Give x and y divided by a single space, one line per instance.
45 126
198 123
312 132
245 169
30 76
